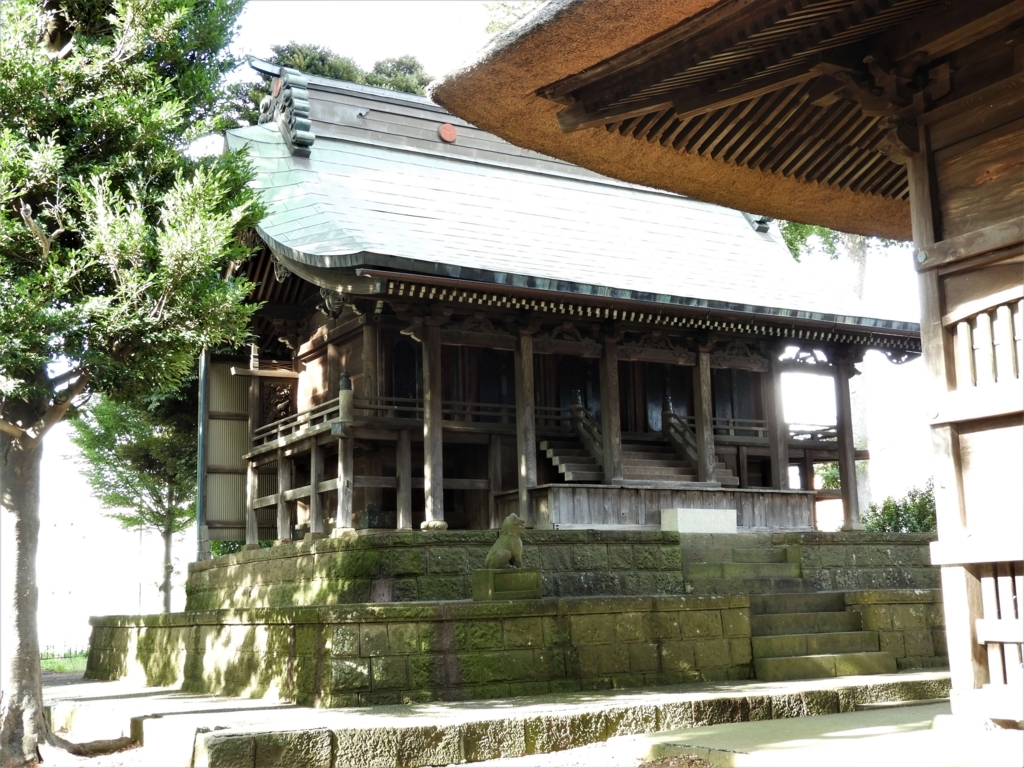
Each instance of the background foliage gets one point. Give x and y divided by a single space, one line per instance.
914 513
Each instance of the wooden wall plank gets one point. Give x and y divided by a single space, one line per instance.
990 606
1008 611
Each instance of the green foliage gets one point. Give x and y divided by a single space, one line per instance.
503 15
218 548
914 513
829 475
402 74
66 661
113 243
140 463
798 237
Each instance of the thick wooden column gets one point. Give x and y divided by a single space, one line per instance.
252 531
316 476
847 459
611 421
704 413
369 358
403 469
344 516
742 466
961 586
433 485
807 471
778 430
494 476
526 425
284 484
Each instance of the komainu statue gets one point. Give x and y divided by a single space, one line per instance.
507 551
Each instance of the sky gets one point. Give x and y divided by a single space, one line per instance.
88 565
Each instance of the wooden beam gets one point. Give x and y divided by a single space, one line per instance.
284 484
345 467
369 359
316 475
847 461
432 439
991 238
494 474
403 471
526 425
778 430
704 415
611 423
977 549
928 36
252 534
976 403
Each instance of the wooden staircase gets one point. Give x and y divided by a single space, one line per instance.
573 461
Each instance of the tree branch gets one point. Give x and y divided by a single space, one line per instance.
10 429
56 411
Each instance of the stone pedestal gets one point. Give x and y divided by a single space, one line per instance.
506 583
685 520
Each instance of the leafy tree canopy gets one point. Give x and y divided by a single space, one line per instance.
404 73
503 15
914 513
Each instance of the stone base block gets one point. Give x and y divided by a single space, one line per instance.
686 520
506 583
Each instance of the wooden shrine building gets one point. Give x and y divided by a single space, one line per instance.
512 333
897 118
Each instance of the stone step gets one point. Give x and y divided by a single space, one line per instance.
746 540
752 587
774 555
807 603
824 665
804 623
736 570
772 646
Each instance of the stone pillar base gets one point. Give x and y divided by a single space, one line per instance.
506 584
433 525
311 536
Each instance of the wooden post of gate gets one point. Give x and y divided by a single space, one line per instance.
611 422
403 469
433 485
844 371
704 432
526 424
284 484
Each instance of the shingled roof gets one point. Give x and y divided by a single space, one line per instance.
381 189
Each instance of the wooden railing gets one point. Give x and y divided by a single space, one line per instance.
290 425
741 427
588 430
679 431
552 417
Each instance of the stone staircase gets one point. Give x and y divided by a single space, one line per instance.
642 461
751 567
805 636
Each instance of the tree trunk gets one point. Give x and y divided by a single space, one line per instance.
21 690
165 585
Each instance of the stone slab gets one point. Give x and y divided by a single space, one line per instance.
506 584
692 520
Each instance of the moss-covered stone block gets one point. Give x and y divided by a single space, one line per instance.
549 664
531 688
645 557
736 622
447 560
404 637
909 616
233 751
350 675
478 635
557 631
426 671
661 625
739 651
892 642
592 629
644 657
590 557
352 564
669 558
306 640
555 558
443 588
677 656
523 633
629 628
700 624
919 642
343 640
404 562
613 659
389 672
832 555
876 617
373 640
620 557
712 653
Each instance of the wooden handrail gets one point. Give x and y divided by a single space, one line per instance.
679 434
588 430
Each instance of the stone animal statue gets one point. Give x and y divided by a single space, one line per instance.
507 551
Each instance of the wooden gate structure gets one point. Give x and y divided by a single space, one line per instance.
895 118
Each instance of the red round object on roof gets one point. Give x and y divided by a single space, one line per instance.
447 132
276 91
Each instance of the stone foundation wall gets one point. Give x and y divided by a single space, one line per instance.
384 654
403 566
859 560
911 624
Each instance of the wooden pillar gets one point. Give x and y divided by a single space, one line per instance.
844 370
961 586
494 476
778 430
284 484
433 485
704 415
807 471
742 466
252 531
316 476
611 421
369 357
526 425
403 469
344 517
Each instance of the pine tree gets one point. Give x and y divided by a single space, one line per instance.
113 251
